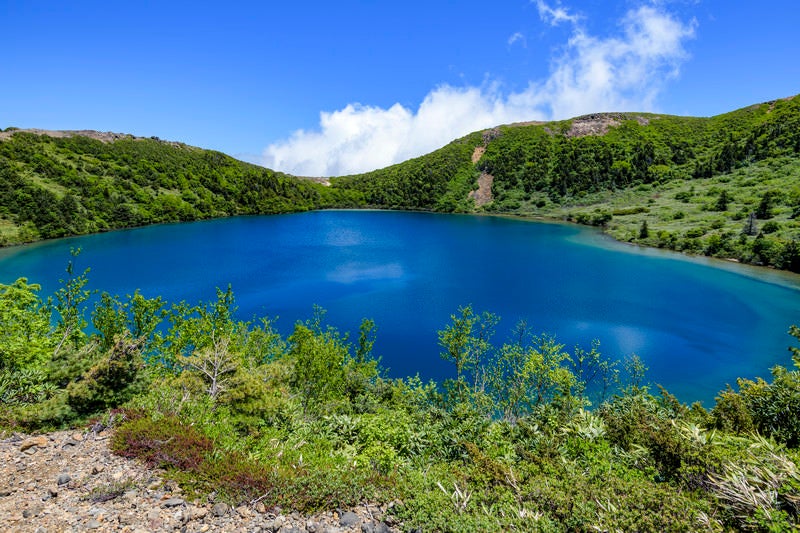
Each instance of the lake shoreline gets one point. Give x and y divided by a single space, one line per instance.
784 277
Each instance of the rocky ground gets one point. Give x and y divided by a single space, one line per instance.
103 136
70 481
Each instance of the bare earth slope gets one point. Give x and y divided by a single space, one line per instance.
103 136
70 481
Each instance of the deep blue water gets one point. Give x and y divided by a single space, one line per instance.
697 326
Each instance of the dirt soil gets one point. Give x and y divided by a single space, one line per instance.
70 481
483 195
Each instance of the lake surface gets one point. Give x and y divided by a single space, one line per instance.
696 326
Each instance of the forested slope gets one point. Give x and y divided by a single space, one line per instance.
55 186
726 186
439 181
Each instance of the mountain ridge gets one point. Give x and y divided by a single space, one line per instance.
102 136
650 178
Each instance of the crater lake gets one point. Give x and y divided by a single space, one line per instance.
697 324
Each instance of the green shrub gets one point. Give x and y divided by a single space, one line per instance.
773 406
239 479
25 340
110 491
638 419
52 413
630 211
319 359
770 227
760 489
307 483
111 381
695 232
731 413
24 386
596 218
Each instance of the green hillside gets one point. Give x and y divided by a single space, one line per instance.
726 186
70 185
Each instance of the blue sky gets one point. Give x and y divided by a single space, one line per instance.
327 88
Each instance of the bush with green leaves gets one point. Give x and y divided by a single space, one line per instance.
760 489
33 351
769 408
25 339
112 381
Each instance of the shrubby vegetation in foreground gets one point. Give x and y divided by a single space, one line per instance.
525 435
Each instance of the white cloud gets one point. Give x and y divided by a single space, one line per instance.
360 138
625 71
555 15
518 37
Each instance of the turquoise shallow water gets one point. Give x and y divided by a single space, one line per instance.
696 325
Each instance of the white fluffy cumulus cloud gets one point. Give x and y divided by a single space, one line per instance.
360 138
616 73
589 73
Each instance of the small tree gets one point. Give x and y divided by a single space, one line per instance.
594 373
455 339
764 210
467 343
366 340
763 249
24 327
215 364
319 358
25 343
790 256
750 227
137 315
69 306
113 380
722 201
636 370
644 232
194 329
532 372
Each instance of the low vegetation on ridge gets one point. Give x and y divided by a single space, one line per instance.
525 435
